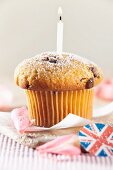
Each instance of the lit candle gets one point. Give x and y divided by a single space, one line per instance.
59 32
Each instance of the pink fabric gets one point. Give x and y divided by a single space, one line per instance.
65 145
20 119
105 90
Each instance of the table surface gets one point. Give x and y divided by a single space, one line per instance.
14 156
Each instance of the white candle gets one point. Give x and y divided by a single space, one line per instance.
59 32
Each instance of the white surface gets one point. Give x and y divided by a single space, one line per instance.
17 157
103 111
28 27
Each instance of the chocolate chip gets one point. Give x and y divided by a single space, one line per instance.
27 85
45 58
94 71
52 60
90 83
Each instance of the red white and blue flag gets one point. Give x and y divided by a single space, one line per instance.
97 139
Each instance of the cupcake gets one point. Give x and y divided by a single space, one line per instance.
56 85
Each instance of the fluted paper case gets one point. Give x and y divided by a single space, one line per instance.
48 108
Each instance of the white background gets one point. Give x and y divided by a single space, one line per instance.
28 27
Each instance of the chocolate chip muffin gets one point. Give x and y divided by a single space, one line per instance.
56 85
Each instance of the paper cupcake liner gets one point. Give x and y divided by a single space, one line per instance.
50 107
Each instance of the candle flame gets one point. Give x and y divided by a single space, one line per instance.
60 13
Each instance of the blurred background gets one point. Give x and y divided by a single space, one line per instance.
28 27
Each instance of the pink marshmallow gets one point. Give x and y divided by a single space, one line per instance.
20 119
64 145
105 90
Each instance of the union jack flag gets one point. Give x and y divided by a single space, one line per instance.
97 139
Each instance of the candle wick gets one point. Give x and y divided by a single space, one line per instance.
60 13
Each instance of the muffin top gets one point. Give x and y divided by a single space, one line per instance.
52 71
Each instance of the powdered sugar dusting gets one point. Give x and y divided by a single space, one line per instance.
55 70
60 60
